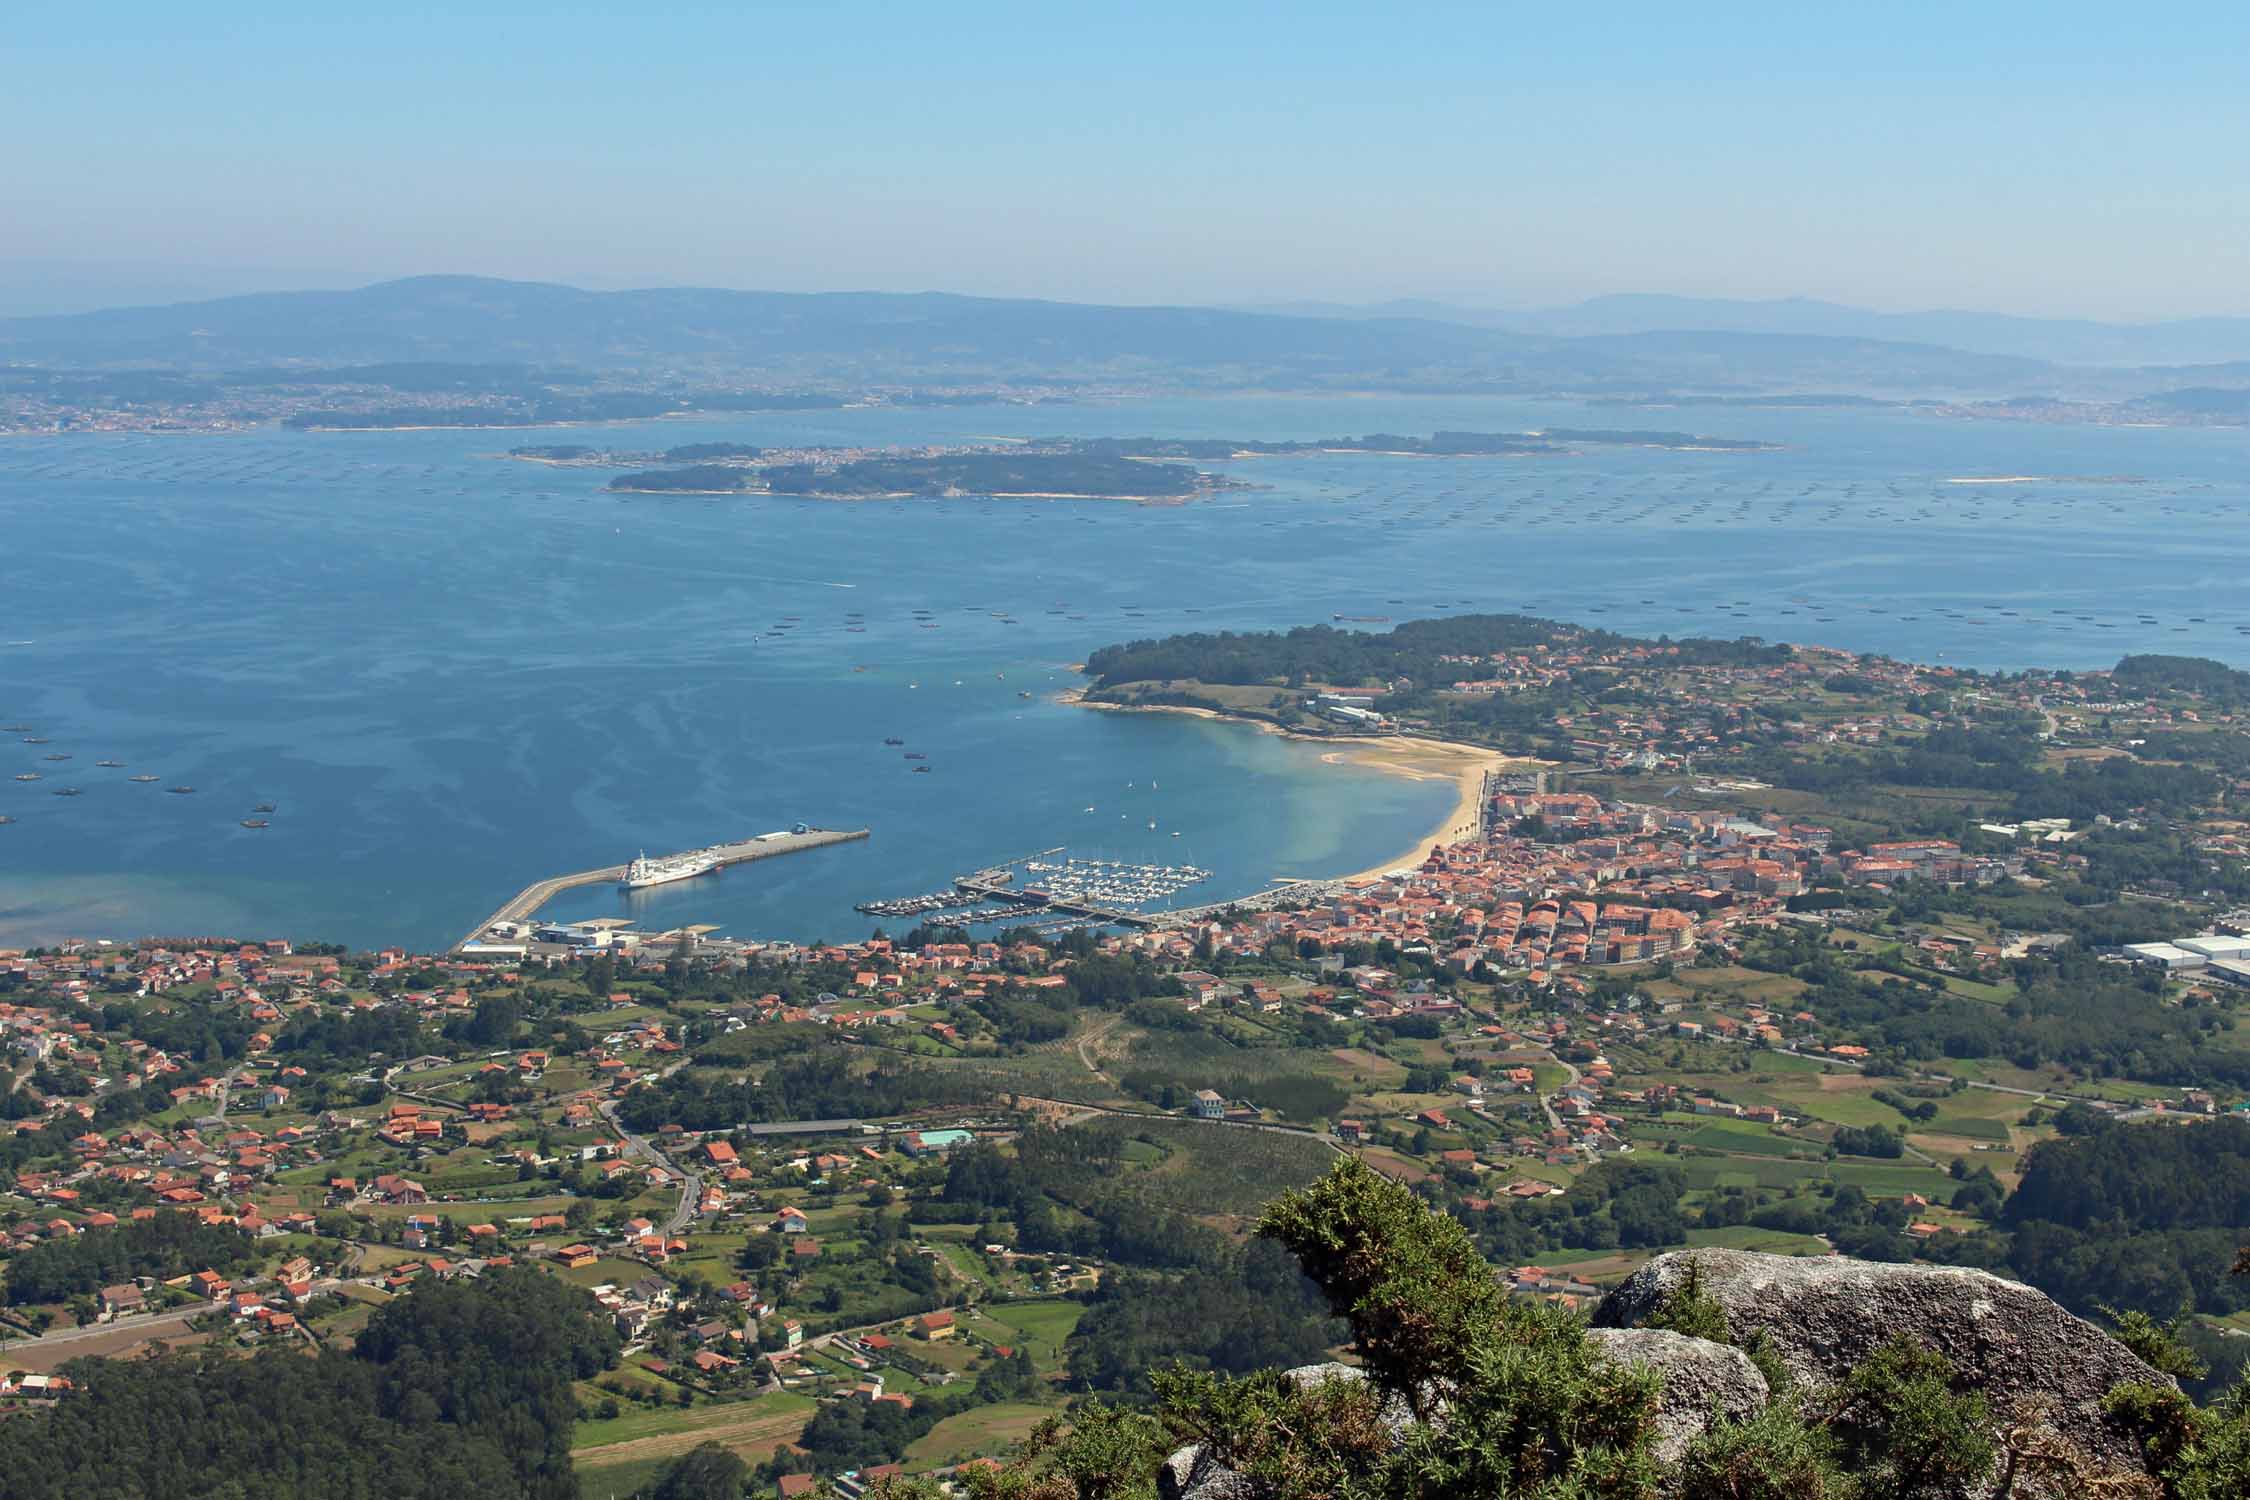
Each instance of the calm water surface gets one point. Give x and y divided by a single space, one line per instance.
453 675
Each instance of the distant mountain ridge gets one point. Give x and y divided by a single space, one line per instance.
2065 341
1599 348
482 319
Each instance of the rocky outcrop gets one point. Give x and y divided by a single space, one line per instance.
2043 1371
1700 1377
1821 1317
1193 1474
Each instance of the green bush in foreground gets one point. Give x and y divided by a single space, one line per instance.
1471 1395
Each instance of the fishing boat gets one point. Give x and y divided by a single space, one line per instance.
27 776
263 807
142 778
110 765
180 791
255 823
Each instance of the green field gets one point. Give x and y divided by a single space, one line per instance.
1973 1127
1844 1106
1208 1168
1046 1323
637 1424
1756 1140
1880 1179
975 1433
1769 1241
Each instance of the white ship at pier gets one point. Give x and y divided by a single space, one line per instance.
644 872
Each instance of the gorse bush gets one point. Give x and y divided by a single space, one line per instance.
1468 1394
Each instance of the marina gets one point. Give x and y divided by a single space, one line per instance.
1073 889
716 857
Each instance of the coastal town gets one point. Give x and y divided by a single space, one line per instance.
1135 753
880 1206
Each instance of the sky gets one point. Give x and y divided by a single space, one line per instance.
2055 159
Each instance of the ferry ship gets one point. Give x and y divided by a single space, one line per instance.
644 872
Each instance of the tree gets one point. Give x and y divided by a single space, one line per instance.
454 1389
705 1472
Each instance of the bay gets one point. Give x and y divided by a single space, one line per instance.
453 674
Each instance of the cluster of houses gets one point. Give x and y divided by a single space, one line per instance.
1601 884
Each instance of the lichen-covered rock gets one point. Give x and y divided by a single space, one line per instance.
1700 1377
1823 1316
1192 1474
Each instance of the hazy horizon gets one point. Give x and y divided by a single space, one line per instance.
2014 159
55 288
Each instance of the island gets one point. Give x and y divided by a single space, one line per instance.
1151 470
1441 444
555 453
1067 475
697 479
695 453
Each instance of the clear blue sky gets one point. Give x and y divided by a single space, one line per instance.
2057 158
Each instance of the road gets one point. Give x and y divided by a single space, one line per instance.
142 1325
218 1121
1948 1078
1322 1136
148 1324
1554 1121
691 1181
1095 1033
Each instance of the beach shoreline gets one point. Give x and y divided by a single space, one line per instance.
1418 757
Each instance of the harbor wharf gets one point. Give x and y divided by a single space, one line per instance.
763 846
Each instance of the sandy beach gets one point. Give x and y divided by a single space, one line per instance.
1427 760
1407 755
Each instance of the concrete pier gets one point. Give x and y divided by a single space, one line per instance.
765 846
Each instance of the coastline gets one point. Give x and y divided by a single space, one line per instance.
1417 757
1427 760
843 497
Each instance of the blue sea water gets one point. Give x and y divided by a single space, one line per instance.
454 675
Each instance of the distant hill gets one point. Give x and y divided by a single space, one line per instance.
867 337
2067 341
2075 341
464 318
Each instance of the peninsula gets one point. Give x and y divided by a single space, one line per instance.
1149 469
